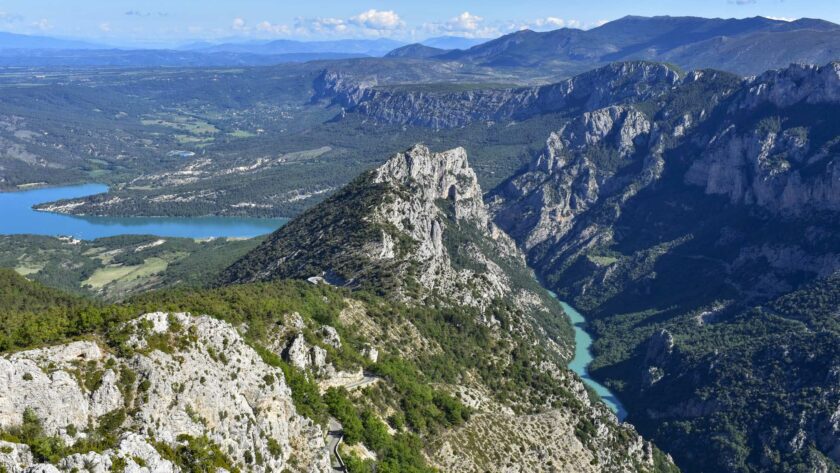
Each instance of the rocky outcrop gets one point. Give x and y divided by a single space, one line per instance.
418 218
198 378
789 86
577 169
613 84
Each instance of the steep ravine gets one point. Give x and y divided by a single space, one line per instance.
696 233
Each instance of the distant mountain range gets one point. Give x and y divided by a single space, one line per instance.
366 47
744 46
22 41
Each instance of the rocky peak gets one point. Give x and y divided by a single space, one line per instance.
435 176
418 221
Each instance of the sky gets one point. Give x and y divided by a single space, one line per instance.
124 22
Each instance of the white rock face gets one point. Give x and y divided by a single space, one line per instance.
564 181
433 180
304 357
14 457
330 336
761 167
134 450
54 395
211 384
797 83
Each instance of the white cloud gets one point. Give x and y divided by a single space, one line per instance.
43 24
105 27
239 24
466 24
327 26
781 18
9 17
377 20
388 23
551 22
466 21
273 29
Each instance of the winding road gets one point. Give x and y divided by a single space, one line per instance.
335 432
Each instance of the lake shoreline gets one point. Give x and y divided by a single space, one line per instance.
21 217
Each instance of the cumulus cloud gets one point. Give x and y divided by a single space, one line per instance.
388 23
377 20
273 29
372 23
466 24
239 24
328 26
466 21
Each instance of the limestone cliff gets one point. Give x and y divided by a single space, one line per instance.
189 378
612 84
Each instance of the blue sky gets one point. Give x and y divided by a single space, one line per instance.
173 21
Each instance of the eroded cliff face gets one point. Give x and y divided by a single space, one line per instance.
672 219
753 144
611 84
190 378
774 148
573 173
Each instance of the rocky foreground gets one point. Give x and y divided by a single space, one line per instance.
191 381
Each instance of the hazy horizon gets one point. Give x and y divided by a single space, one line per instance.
167 24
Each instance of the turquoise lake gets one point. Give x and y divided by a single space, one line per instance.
583 357
17 216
